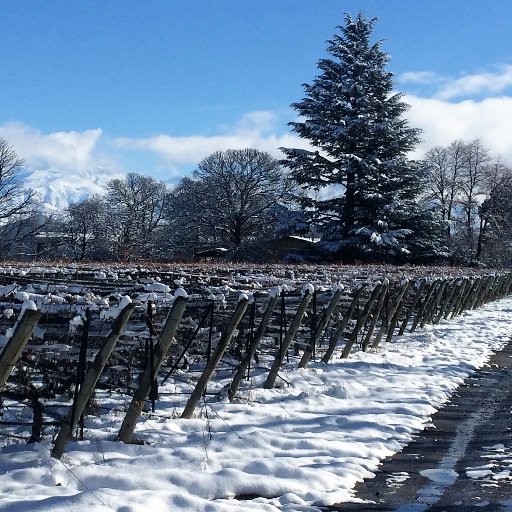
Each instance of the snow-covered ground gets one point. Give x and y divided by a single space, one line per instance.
292 448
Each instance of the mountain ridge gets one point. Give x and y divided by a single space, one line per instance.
57 189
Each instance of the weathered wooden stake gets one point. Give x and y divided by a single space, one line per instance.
407 317
464 287
501 286
452 287
486 296
81 367
431 310
360 322
468 294
37 416
342 325
215 359
395 315
508 285
290 334
375 316
151 371
326 317
12 351
480 281
186 348
423 307
91 378
244 364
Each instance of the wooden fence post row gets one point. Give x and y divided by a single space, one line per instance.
424 301
368 314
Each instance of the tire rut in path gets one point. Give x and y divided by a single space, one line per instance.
461 462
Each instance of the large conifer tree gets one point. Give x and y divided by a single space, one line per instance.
359 183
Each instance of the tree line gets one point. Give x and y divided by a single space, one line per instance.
355 193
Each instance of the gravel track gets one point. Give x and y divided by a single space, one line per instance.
461 462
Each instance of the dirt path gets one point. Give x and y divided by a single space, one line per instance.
462 462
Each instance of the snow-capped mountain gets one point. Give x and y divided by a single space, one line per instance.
58 189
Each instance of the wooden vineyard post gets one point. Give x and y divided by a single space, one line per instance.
471 286
508 284
342 325
504 281
91 378
499 291
452 286
479 298
324 321
508 287
496 282
375 316
486 291
491 295
482 296
414 303
215 359
432 308
421 311
395 314
430 301
150 372
81 367
37 417
244 364
290 334
476 292
360 322
459 300
12 351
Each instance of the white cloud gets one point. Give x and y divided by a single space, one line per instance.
476 84
74 151
443 122
261 121
254 130
419 77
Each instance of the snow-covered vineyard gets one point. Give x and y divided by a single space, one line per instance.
232 387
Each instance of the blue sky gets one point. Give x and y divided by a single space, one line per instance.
110 86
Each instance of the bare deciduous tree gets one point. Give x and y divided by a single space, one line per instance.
494 244
242 186
191 223
14 199
18 218
445 165
137 204
87 228
467 182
